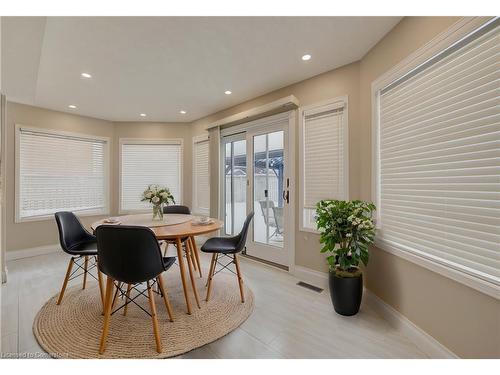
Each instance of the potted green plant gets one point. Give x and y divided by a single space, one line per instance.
346 229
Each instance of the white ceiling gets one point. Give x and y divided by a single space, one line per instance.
161 65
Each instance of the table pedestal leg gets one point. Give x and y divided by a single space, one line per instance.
190 258
183 273
196 254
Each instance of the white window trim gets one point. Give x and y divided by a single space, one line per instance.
262 122
198 139
147 141
18 218
318 106
456 32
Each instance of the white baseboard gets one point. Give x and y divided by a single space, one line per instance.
425 342
31 252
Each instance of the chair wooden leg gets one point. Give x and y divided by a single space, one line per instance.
85 268
191 274
65 282
115 297
101 287
107 313
210 271
154 318
196 254
165 298
240 279
211 275
129 287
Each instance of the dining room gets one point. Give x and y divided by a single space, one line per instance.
294 197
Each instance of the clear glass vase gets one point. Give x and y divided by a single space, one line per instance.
158 212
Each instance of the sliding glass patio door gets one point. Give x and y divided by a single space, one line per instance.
255 178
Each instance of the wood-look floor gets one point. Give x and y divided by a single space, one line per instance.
288 321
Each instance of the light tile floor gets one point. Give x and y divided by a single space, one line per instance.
288 321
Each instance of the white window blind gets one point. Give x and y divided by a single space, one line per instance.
439 158
146 163
324 157
59 172
201 188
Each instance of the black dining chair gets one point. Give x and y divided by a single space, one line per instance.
177 209
131 255
81 245
184 210
228 247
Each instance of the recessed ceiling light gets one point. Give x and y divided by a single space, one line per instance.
86 75
142 115
182 112
72 106
227 92
306 57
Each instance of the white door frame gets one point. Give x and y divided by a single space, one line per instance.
251 127
3 193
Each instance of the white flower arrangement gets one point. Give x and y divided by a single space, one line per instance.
156 195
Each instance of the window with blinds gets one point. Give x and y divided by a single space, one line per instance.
59 172
324 157
146 163
201 181
439 158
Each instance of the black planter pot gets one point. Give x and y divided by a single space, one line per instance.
346 293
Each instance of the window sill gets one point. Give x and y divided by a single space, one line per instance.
135 212
309 230
31 219
444 268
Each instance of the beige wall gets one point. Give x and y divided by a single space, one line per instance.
43 233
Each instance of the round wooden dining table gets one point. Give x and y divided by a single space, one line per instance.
175 229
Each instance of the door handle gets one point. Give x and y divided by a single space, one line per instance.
286 196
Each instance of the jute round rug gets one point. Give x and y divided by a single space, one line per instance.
73 329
